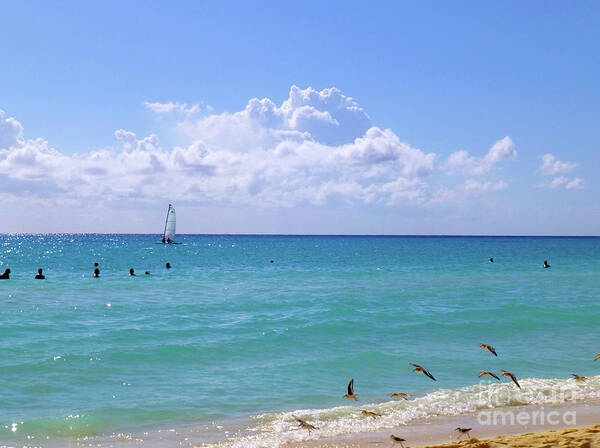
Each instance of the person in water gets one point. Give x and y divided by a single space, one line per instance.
163 240
96 272
168 265
147 272
492 260
169 240
131 273
6 275
39 275
546 265
96 264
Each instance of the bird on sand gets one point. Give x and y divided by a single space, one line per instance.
488 374
400 396
511 376
370 414
396 439
304 424
489 348
350 395
422 370
463 431
578 378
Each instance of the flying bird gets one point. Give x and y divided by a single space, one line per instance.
400 396
488 374
370 414
597 358
422 370
396 439
511 376
578 378
489 348
463 431
350 395
304 425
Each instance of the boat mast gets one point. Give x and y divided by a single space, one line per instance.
166 220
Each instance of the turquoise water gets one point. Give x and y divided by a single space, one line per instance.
225 334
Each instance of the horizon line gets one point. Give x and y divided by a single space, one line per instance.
433 235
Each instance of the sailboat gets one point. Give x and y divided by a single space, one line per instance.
170 226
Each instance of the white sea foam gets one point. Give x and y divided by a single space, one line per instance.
273 430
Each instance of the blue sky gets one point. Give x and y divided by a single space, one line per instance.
443 77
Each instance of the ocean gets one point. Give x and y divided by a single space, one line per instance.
225 346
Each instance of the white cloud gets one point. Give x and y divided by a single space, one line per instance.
316 147
551 166
174 107
574 184
11 132
562 181
460 162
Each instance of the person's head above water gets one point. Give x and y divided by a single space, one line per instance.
491 260
96 264
96 272
39 270
39 275
546 265
168 265
147 272
131 272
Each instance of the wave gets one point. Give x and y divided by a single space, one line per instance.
274 430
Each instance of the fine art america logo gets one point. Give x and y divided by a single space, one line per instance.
503 407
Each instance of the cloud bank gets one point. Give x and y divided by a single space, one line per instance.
316 147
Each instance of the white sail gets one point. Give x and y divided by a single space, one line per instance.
170 224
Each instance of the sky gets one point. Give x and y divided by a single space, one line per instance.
395 117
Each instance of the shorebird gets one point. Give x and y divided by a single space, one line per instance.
422 370
400 396
370 414
511 376
597 358
578 378
489 348
304 425
396 439
350 395
488 374
463 431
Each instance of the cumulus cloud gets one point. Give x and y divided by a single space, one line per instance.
315 147
11 132
551 166
562 181
460 162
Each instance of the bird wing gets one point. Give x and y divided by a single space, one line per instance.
491 349
299 420
426 372
495 376
597 357
512 377
351 387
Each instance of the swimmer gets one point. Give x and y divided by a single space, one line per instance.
492 260
96 272
546 265
147 272
131 273
168 265
39 275
6 275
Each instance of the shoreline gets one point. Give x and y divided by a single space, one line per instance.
441 431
